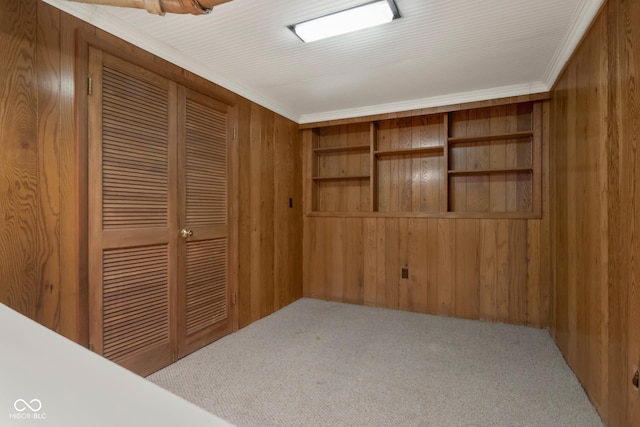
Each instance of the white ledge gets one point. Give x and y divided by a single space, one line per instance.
49 380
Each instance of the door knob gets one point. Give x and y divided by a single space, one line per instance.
184 233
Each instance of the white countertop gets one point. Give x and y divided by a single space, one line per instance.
48 380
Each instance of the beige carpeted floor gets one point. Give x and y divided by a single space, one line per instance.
318 363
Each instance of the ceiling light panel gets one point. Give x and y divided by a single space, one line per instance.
346 21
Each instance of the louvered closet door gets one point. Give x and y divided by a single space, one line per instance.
204 295
132 210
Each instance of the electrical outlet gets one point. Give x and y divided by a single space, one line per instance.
405 272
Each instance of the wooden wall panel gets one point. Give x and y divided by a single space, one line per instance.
20 193
470 268
594 175
628 39
43 167
270 231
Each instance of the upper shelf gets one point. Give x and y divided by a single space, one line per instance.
494 137
343 149
489 171
421 150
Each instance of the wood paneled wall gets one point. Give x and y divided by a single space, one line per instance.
595 169
489 269
270 274
41 261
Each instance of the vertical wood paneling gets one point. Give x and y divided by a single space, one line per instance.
353 233
49 147
486 269
594 215
467 290
446 266
629 43
20 262
270 236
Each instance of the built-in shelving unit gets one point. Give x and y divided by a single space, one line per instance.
483 162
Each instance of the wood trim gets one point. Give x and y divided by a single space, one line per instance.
432 110
94 210
81 165
495 137
536 159
444 179
487 171
462 214
340 177
433 151
233 213
143 59
344 149
373 167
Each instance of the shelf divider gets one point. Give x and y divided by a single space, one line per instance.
340 177
343 149
493 137
437 150
488 171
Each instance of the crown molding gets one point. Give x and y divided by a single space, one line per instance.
435 101
583 17
100 17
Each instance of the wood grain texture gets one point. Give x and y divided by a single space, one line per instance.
471 268
270 232
49 147
408 176
595 213
494 158
629 43
27 245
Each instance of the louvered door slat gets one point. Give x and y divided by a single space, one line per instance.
138 115
132 207
206 283
128 319
206 165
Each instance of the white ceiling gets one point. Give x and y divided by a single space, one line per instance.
440 52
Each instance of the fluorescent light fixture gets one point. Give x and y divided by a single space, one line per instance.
346 21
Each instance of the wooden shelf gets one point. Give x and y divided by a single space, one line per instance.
337 178
437 150
494 137
343 149
488 171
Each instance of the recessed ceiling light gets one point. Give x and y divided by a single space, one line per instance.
346 21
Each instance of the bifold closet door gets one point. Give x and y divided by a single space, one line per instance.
132 207
204 296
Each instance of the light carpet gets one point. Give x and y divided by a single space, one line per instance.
318 363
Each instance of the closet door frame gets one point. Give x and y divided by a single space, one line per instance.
80 91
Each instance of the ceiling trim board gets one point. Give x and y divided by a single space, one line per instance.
98 16
585 15
435 101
